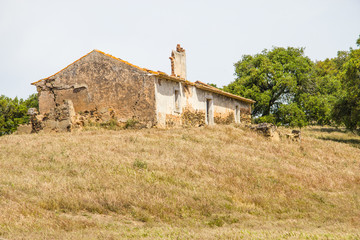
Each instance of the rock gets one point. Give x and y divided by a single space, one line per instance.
105 117
295 135
267 129
149 124
36 123
32 111
103 110
50 125
24 129
65 125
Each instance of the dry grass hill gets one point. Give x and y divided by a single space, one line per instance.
221 182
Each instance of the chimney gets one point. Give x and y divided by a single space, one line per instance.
178 62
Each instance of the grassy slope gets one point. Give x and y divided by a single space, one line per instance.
202 183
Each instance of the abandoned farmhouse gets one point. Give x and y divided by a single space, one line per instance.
101 87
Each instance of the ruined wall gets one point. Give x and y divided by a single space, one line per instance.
192 109
99 82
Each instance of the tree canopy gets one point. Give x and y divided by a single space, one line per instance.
273 79
347 108
291 90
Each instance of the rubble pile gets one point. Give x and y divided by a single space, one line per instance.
271 131
267 129
295 135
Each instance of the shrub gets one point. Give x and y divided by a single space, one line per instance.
140 164
130 123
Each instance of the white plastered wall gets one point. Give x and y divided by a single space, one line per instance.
192 98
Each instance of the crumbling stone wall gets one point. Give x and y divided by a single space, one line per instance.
193 118
97 82
59 119
245 114
225 118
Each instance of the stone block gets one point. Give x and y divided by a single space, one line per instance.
24 129
64 125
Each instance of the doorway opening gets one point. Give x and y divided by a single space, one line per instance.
237 114
209 112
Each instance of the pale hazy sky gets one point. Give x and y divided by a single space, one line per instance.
38 38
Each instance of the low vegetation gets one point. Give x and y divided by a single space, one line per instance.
221 182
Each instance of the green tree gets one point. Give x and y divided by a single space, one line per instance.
347 109
273 78
318 102
291 115
32 101
13 112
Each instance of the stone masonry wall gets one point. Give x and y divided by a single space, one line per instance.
98 82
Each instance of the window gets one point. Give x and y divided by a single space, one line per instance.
177 100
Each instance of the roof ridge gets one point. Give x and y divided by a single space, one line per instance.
126 62
106 54
63 68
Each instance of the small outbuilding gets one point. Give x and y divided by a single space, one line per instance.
107 87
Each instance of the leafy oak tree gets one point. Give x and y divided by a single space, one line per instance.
274 79
347 108
319 101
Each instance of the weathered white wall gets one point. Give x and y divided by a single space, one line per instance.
191 98
165 99
179 64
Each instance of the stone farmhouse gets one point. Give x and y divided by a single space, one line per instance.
101 87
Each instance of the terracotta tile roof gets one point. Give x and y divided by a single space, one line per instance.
160 74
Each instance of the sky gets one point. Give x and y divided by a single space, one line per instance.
40 37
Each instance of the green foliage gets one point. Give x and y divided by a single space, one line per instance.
317 108
326 90
110 125
288 88
213 85
291 115
32 101
266 119
347 108
140 164
13 112
219 221
273 78
131 123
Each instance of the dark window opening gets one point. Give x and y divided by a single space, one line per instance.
177 100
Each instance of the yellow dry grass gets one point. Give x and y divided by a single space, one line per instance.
221 182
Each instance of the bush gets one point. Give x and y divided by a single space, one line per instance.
291 115
130 123
13 112
140 164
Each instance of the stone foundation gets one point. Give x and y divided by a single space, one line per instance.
224 118
193 118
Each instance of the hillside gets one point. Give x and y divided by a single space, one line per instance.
220 182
